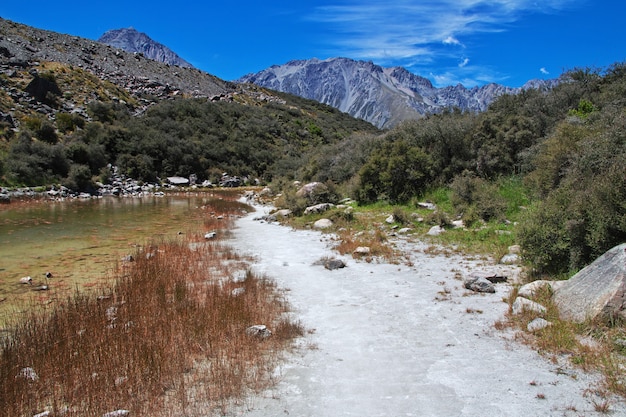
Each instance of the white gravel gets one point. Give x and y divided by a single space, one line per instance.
401 340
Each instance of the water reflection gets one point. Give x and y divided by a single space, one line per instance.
80 241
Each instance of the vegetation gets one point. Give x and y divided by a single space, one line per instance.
168 339
566 147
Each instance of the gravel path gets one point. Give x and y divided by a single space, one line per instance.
400 340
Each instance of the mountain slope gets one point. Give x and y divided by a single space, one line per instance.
382 96
130 40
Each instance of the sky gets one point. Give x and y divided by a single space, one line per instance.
471 42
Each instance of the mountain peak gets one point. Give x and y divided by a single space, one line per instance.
131 40
382 96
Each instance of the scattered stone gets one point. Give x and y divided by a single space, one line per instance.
404 230
391 219
117 413
458 224
318 208
240 276
436 231
515 249
128 258
538 324
596 291
427 205
26 280
259 330
210 235
333 263
238 291
361 251
28 374
43 414
532 289
522 304
282 213
510 259
479 284
323 224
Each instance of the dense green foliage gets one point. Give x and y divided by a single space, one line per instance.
565 147
568 145
180 137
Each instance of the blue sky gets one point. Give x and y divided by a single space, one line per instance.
472 42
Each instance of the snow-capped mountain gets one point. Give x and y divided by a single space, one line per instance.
382 96
130 40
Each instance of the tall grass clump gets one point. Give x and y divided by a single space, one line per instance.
168 338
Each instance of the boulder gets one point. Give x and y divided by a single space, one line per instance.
310 188
598 291
322 224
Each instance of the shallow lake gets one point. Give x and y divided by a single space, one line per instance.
80 242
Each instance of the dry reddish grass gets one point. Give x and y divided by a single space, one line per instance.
168 339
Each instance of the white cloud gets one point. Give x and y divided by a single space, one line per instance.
403 31
451 41
544 71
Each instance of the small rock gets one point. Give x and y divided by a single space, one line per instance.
458 224
391 219
479 284
426 205
522 304
210 235
28 374
43 414
318 208
238 291
404 230
322 224
362 250
26 280
334 264
510 259
116 413
259 330
531 289
436 231
538 324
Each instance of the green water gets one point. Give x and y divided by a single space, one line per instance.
80 242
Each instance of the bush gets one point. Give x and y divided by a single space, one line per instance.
477 197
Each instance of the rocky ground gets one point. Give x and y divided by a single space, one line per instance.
403 339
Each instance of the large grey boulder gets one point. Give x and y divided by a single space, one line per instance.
598 291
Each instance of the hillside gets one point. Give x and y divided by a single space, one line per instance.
69 107
382 96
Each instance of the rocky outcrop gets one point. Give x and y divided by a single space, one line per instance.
598 291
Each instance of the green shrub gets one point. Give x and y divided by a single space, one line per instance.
477 197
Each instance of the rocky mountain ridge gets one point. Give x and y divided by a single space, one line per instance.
382 96
133 41
47 72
